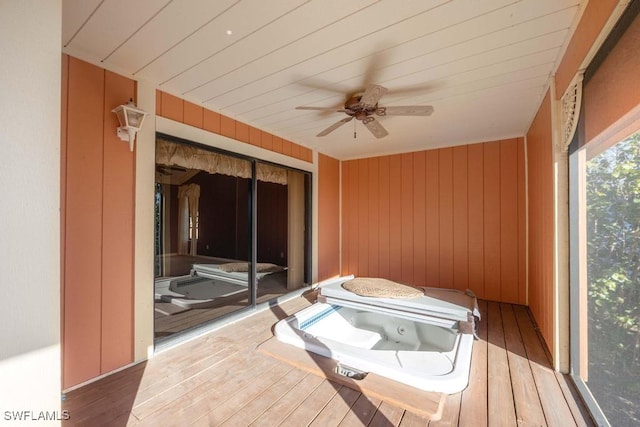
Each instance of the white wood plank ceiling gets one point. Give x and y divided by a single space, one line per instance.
484 65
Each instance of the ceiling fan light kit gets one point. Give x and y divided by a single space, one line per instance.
363 107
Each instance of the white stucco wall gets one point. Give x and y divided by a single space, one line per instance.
144 225
30 32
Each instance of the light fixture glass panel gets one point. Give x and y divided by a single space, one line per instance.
133 118
121 116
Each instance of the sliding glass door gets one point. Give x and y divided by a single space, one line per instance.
231 232
282 231
202 228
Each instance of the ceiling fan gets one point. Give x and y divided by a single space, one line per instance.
363 107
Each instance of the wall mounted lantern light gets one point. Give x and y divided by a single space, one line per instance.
131 119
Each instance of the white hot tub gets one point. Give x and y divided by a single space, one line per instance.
423 342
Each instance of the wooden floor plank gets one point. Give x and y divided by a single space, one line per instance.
525 394
576 404
556 410
117 409
450 413
312 406
185 389
255 407
104 397
125 419
500 406
81 398
361 412
210 392
281 409
409 419
386 416
222 377
337 408
473 408
234 402
177 376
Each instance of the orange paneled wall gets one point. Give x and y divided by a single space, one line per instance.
541 225
451 217
98 174
328 217
540 160
179 110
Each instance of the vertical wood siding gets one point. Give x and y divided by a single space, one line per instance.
98 191
541 229
83 252
179 110
328 217
452 217
118 206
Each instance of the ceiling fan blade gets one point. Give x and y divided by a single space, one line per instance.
408 110
378 60
417 89
323 85
335 126
339 110
376 128
371 96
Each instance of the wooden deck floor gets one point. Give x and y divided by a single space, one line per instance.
220 379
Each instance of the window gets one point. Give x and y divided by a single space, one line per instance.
608 290
605 230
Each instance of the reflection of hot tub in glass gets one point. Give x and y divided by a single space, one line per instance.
196 291
394 340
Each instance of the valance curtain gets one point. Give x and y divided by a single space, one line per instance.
169 153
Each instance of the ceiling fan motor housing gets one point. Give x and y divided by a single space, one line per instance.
354 102
360 112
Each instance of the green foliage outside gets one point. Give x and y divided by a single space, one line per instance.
613 269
